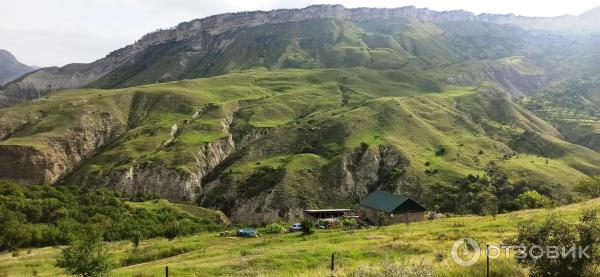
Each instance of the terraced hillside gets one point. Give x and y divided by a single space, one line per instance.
263 145
573 106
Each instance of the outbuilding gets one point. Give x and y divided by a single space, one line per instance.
384 208
329 213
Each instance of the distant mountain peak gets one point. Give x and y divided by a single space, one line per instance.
595 12
10 67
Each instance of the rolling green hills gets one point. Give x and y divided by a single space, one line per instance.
318 107
265 144
251 118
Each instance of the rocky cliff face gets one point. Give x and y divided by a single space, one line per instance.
177 183
204 41
43 81
52 158
366 170
172 183
352 176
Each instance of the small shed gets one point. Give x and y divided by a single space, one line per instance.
384 208
328 213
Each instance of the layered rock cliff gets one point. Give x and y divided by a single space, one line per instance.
53 157
200 44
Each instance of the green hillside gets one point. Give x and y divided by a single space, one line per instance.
250 118
263 145
293 254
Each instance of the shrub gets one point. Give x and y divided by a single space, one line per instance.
245 253
136 237
531 199
275 228
556 232
589 187
348 222
86 256
308 226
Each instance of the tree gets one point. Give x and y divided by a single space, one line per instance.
136 237
86 256
589 187
532 199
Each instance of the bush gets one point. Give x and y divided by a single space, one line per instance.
86 256
136 238
275 228
556 232
531 199
589 187
308 226
348 222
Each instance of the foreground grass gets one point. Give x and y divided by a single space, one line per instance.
295 255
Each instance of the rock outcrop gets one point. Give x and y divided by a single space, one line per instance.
53 158
368 169
177 183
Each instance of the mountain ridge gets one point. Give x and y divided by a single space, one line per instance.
318 109
11 68
72 76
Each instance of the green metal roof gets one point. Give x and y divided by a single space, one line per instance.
390 203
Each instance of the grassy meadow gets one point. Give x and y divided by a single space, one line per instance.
292 254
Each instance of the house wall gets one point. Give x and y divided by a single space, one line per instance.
372 216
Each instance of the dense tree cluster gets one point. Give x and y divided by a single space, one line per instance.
42 215
491 194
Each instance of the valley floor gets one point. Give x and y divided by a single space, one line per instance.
295 255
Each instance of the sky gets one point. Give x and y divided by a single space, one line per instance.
58 32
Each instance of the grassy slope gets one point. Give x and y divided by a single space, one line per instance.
192 210
294 255
572 106
347 107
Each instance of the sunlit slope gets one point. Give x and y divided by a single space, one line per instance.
293 255
270 143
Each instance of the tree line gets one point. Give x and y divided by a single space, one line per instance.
44 215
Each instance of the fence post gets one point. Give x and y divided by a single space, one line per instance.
332 262
487 255
167 271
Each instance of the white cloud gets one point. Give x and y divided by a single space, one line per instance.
57 32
